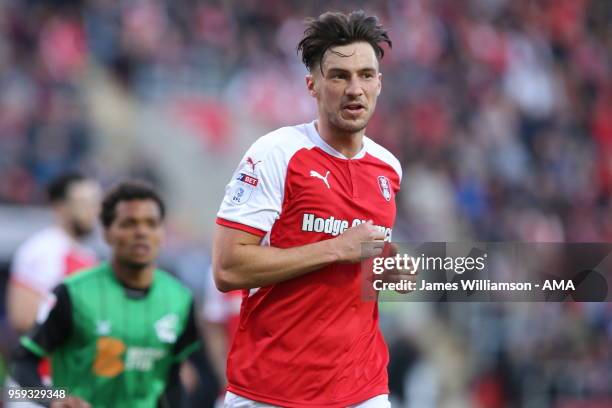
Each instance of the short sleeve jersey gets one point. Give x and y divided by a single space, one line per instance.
47 257
309 341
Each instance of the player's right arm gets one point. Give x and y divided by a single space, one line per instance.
32 270
240 262
252 203
22 304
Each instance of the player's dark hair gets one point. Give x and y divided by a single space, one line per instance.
128 191
332 29
57 190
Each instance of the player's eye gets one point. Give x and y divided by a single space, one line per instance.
152 223
127 223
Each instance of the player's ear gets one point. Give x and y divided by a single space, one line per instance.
310 85
380 77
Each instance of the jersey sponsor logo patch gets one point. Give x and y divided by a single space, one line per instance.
385 187
113 357
166 328
316 174
335 226
142 358
245 178
108 361
242 188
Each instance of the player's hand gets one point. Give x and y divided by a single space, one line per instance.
189 376
408 272
70 401
348 245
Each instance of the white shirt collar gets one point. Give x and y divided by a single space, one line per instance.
314 135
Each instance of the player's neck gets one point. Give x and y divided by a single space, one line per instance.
133 277
348 144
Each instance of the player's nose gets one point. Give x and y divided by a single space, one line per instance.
142 230
354 88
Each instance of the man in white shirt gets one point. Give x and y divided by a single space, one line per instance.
43 260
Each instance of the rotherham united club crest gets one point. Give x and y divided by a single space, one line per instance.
385 187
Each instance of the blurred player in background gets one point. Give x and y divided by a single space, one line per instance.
117 333
55 252
50 255
290 229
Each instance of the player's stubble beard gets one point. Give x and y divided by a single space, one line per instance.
348 127
78 230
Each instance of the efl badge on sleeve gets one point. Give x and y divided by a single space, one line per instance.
385 187
242 188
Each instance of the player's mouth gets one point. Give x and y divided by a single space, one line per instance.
141 249
353 109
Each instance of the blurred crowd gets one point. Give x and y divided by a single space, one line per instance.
499 110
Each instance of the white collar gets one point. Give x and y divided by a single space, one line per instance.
316 138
